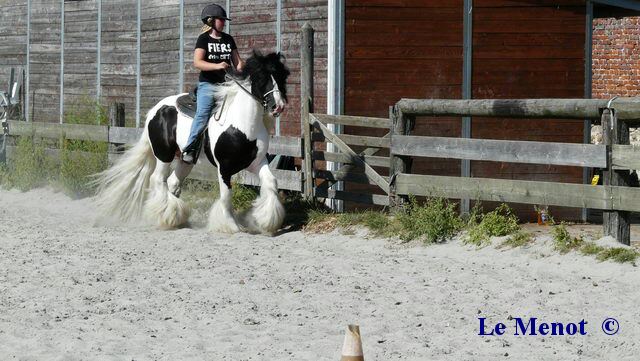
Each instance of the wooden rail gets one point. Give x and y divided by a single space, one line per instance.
627 109
581 155
517 191
289 146
203 170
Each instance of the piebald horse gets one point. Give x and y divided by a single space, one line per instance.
142 185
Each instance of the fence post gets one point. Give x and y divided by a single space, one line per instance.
116 119
306 104
398 164
615 223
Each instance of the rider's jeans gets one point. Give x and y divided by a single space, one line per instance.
205 103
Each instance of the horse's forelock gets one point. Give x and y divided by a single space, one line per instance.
261 67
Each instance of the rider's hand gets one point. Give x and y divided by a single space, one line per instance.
224 66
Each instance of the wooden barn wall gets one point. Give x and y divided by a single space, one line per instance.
408 49
254 26
13 32
159 52
529 49
294 14
80 56
45 60
118 55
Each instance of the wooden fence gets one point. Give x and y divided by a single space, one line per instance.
616 157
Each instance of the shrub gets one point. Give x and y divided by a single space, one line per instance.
435 220
30 167
497 223
242 197
81 158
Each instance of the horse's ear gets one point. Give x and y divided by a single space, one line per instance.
257 54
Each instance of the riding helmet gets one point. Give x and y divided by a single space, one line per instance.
213 11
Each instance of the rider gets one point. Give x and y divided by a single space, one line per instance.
215 52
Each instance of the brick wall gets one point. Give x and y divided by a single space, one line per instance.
616 57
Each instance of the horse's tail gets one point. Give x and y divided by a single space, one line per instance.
121 189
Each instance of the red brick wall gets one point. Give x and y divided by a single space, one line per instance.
616 57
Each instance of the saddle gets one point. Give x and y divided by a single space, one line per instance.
187 103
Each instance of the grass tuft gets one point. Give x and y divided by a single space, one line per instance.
518 239
563 242
618 254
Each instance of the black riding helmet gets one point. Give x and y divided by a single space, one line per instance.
213 11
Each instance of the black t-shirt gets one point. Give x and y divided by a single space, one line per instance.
217 51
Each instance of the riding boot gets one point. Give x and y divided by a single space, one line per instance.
191 153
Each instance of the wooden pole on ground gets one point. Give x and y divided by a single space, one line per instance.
306 104
352 346
615 223
400 125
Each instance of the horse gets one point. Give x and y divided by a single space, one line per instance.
141 184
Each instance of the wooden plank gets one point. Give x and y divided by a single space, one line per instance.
364 198
370 172
517 191
55 131
344 158
626 108
625 156
350 175
367 141
290 146
580 155
124 135
353 120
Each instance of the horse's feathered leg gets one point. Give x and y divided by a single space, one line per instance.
163 207
221 217
179 174
267 212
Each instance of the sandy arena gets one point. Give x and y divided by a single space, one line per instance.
70 290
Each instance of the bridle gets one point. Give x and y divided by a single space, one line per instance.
262 101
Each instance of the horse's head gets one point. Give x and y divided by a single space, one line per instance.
268 76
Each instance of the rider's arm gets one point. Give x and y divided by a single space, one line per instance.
237 61
200 63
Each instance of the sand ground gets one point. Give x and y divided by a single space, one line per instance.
70 290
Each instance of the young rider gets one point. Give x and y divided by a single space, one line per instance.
215 52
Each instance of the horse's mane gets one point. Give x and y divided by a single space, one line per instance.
225 92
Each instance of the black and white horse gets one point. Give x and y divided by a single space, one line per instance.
142 185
